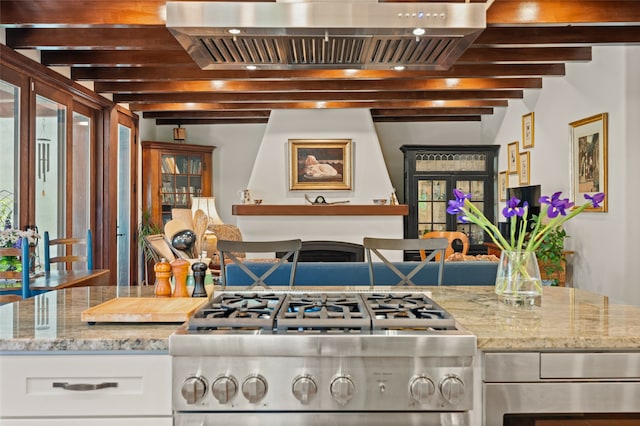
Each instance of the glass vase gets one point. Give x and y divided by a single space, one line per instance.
518 279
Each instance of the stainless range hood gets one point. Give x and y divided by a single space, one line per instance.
352 34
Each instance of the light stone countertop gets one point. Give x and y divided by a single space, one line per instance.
567 319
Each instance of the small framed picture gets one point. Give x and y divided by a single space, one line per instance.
524 171
503 184
512 158
589 161
527 131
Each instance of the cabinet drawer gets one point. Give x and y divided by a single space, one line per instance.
110 385
80 421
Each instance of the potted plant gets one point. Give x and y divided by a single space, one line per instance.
551 257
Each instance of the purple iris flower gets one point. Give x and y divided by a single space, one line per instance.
18 244
557 205
512 208
455 206
460 195
596 199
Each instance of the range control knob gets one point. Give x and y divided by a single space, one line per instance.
342 389
194 389
421 389
224 389
452 389
254 388
304 388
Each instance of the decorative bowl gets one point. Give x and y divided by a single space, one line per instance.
380 201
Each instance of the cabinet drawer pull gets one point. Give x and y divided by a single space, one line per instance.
84 386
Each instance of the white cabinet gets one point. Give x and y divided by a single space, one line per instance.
78 389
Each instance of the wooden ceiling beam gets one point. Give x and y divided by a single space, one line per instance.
174 122
259 120
120 74
399 112
568 35
152 12
162 58
417 119
233 86
194 115
195 106
160 38
344 95
431 111
519 12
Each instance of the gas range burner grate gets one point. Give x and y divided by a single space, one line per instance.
323 313
238 311
399 311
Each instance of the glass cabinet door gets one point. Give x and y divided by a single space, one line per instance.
181 180
475 187
431 199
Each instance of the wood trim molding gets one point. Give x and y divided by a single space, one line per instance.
318 210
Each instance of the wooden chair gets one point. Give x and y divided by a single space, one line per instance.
451 236
228 249
14 294
67 246
435 245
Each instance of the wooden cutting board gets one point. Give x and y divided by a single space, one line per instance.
144 309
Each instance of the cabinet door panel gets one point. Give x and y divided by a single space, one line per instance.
28 385
113 421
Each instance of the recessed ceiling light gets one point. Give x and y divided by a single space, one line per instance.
418 31
234 31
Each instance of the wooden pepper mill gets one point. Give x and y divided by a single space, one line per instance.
180 269
163 273
199 271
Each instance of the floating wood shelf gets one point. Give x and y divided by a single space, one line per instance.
319 210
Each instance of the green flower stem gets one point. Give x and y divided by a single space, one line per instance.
557 221
477 217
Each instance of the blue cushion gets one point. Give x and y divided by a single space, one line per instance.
357 273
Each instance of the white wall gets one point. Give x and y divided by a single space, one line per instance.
270 179
603 242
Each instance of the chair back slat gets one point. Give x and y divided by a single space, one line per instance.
373 246
228 250
67 244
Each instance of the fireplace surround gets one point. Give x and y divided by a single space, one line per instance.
330 251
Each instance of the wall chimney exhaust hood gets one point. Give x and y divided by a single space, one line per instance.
352 34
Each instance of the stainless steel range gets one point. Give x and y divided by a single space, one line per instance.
322 358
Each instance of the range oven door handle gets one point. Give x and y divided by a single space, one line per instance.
84 386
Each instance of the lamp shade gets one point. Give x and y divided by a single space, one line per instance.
208 206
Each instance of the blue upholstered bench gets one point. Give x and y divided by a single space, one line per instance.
357 273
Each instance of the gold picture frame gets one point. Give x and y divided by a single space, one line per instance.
524 168
320 164
528 131
589 163
503 184
512 158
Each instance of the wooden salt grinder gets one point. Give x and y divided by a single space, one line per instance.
163 273
180 269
